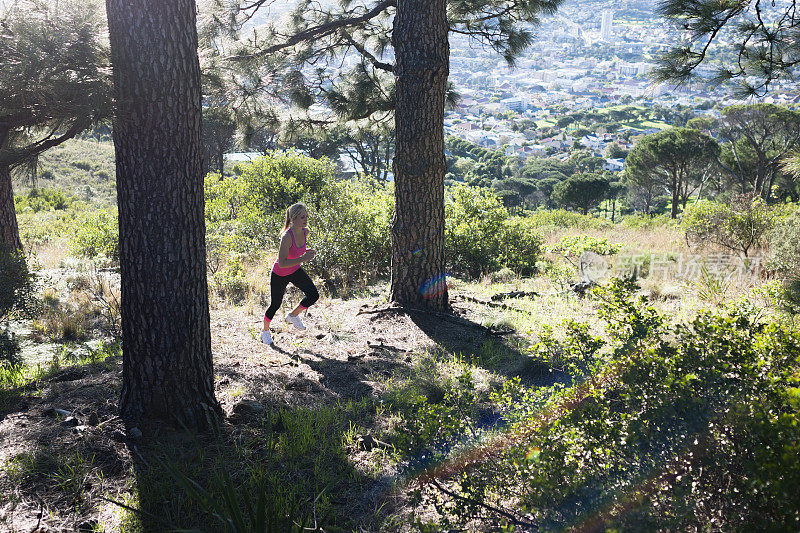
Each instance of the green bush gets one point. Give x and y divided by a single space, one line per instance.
666 427
17 285
351 231
573 246
740 226
43 200
784 244
480 237
561 218
522 245
97 234
638 221
474 224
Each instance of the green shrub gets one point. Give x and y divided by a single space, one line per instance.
638 221
784 244
573 246
230 281
474 223
670 426
18 285
522 245
97 234
740 226
43 200
83 165
480 237
561 218
351 231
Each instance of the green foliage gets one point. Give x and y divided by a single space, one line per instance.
97 234
352 231
522 245
230 280
668 426
581 191
561 218
481 237
474 220
647 222
43 200
740 226
18 286
349 219
431 425
575 245
784 244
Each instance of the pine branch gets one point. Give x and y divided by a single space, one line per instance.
320 31
365 53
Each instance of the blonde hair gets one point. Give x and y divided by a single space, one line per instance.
292 213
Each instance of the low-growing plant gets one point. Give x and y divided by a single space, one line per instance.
480 237
18 285
43 200
97 235
741 226
682 424
784 244
561 218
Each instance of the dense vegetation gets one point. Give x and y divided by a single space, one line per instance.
646 420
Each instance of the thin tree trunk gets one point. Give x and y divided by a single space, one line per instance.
9 230
167 366
421 70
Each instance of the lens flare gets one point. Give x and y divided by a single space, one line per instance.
435 286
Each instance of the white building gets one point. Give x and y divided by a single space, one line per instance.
614 165
606 24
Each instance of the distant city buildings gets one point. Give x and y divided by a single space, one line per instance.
606 24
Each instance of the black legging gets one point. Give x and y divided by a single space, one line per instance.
277 286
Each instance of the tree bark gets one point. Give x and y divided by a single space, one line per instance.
167 362
421 69
9 230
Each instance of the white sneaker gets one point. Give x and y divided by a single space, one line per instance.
266 337
295 321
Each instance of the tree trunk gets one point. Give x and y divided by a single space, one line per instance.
675 193
9 230
421 70
167 365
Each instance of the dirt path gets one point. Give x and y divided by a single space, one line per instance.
348 351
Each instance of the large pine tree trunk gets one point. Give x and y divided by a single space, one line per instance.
167 364
421 70
9 231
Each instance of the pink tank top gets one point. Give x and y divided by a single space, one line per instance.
294 253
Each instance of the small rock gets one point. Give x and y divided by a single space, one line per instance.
70 421
79 429
134 433
368 442
320 335
53 412
247 408
93 419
